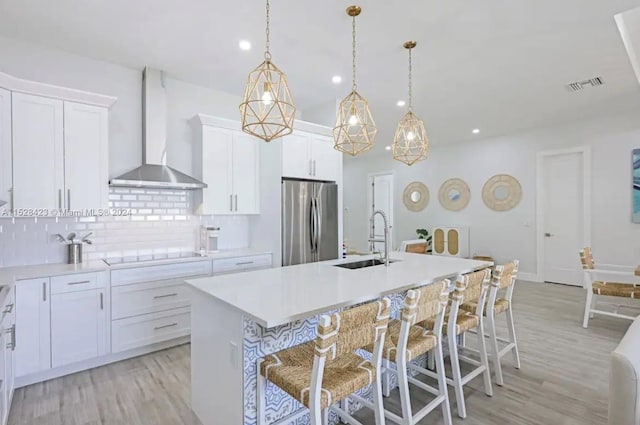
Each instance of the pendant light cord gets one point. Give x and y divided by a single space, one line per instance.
353 34
267 53
410 83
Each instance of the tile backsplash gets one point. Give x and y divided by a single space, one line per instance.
160 221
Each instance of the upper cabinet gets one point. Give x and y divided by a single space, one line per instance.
310 156
6 167
86 156
53 148
228 160
38 152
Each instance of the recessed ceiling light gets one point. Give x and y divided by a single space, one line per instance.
401 103
388 148
476 131
244 45
336 79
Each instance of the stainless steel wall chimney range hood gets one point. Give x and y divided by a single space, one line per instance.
154 173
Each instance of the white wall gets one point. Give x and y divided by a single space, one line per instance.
510 234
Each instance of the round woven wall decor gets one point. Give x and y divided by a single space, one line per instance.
454 194
502 192
416 196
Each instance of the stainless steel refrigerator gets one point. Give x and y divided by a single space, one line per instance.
309 222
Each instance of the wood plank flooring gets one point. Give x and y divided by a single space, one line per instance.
563 379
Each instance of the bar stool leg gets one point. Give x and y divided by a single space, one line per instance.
325 416
488 390
512 337
403 387
442 383
493 340
260 395
377 400
316 415
386 383
457 376
587 309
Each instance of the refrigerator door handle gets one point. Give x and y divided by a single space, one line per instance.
318 227
312 226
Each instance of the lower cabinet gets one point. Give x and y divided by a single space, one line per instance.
147 329
33 338
7 356
78 327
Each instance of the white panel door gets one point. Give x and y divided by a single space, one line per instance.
86 157
6 167
217 161
38 152
326 160
381 198
246 173
563 180
74 340
296 160
33 327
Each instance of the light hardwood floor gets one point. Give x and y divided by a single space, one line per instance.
563 379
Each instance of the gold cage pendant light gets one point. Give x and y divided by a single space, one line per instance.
267 109
410 143
355 129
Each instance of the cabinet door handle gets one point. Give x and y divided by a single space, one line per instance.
101 301
230 202
310 167
13 337
314 167
11 199
69 199
236 200
165 296
246 263
44 291
9 308
165 326
79 283
59 199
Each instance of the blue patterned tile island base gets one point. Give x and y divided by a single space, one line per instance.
260 342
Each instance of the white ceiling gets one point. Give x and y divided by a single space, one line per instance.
497 65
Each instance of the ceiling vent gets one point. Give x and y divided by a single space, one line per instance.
581 85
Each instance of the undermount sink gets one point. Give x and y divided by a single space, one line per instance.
362 264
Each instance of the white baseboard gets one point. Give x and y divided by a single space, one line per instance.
529 277
34 378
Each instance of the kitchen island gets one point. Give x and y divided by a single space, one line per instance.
237 319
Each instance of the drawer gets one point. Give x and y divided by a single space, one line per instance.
148 297
160 272
75 282
148 329
227 265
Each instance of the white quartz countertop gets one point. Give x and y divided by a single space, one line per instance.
8 275
274 297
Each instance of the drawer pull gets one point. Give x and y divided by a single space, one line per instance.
79 283
165 296
9 308
246 263
165 326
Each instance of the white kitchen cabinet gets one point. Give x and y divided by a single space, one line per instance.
33 335
7 345
246 166
230 165
6 166
78 326
296 158
38 152
86 156
326 160
310 156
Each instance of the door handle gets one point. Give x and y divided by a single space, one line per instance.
312 220
235 197
59 199
318 221
548 235
44 291
69 199
230 202
314 167
310 167
101 301
11 200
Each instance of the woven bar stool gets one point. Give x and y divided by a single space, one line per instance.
406 339
474 287
321 373
504 277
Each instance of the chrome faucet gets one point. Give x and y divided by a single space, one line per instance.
372 238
